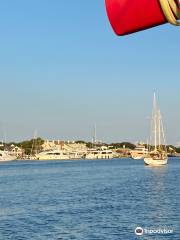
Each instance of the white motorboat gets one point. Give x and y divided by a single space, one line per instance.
5 156
100 153
52 155
139 152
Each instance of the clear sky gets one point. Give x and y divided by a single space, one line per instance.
62 69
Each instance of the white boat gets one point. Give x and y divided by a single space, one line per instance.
5 156
153 161
101 153
157 153
52 155
76 154
139 152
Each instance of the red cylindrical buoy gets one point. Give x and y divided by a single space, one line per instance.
128 16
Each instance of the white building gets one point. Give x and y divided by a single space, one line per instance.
16 151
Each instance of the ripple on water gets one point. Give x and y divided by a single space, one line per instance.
88 199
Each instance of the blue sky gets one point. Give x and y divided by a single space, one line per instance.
62 68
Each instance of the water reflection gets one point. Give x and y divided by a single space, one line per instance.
159 200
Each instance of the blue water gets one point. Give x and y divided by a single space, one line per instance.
103 199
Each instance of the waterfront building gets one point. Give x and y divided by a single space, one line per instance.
16 151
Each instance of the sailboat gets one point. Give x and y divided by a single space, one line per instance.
157 151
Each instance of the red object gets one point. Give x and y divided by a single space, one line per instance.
128 16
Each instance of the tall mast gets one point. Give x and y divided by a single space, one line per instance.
34 142
159 128
163 134
95 133
155 122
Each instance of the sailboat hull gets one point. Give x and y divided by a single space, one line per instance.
155 162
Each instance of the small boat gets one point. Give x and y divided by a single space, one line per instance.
139 152
157 151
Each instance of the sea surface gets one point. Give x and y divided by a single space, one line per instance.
93 200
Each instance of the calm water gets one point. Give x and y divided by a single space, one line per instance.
105 199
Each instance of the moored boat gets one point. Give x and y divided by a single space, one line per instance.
52 155
5 156
157 152
99 153
139 152
153 161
